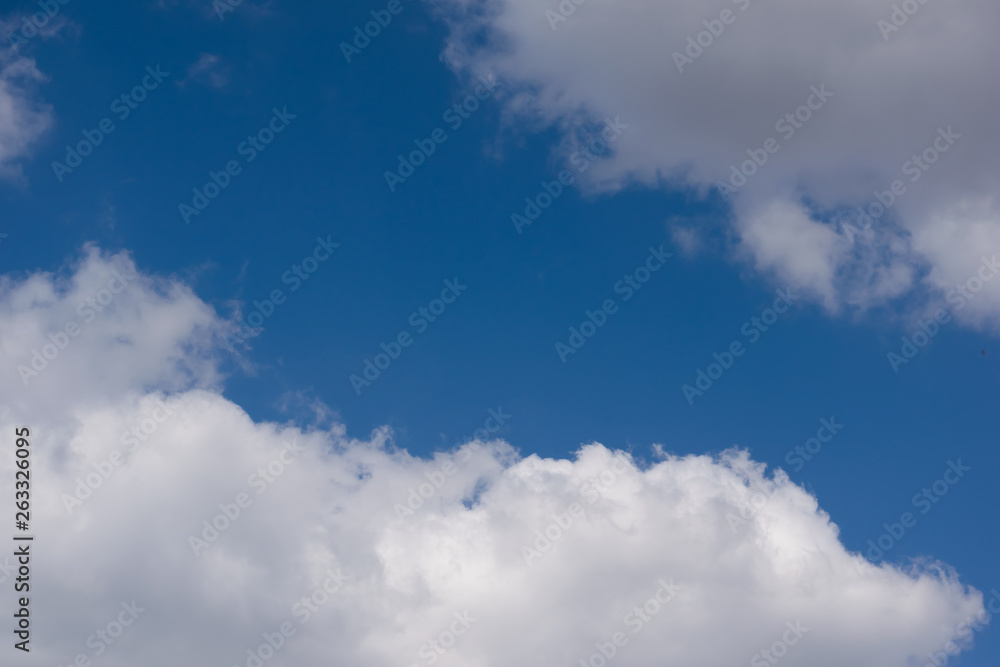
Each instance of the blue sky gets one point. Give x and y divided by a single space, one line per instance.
494 347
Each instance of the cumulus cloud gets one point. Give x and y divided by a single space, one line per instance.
901 98
99 330
171 527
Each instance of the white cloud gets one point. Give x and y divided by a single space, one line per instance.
784 239
209 70
890 98
146 367
23 119
132 331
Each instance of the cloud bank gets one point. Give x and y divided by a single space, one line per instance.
804 113
171 527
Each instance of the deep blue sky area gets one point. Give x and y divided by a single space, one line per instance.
494 347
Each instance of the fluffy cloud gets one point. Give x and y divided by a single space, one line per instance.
97 331
703 83
161 504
